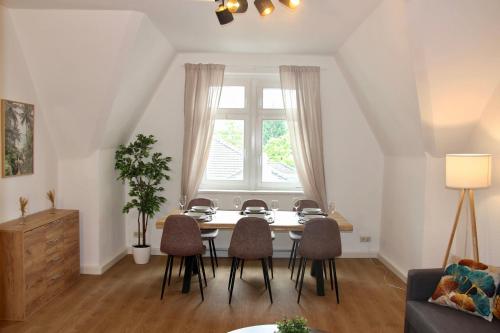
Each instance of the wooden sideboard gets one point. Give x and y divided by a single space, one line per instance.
39 259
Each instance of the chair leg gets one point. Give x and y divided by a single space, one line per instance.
301 261
180 267
232 280
233 267
266 278
291 254
294 260
323 263
335 278
171 265
211 256
215 253
202 264
331 270
197 260
165 277
270 259
242 265
302 278
264 269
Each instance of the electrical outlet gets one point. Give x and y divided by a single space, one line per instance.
365 239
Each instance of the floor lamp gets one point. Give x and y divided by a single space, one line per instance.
467 172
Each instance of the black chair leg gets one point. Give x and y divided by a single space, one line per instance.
294 260
335 278
264 269
215 252
202 264
270 259
171 265
233 275
302 278
291 254
197 260
266 279
180 267
165 277
331 270
301 261
324 270
233 267
211 256
242 265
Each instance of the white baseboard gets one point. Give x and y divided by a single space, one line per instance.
401 274
100 269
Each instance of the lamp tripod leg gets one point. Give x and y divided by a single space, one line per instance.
453 231
475 247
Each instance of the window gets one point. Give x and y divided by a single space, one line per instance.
250 148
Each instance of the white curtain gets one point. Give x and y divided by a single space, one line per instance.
201 98
301 94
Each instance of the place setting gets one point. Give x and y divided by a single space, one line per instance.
307 214
200 213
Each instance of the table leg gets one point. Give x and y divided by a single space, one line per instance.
317 272
190 270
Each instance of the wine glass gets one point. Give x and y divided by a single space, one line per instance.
237 202
275 205
182 201
216 204
331 208
295 204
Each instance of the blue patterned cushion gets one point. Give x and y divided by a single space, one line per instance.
468 286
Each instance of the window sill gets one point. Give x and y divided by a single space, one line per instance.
299 192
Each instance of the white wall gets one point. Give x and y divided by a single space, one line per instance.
16 84
353 160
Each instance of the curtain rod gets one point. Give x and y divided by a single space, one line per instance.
257 68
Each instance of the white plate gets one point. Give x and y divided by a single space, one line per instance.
255 209
196 215
311 210
310 217
201 208
262 216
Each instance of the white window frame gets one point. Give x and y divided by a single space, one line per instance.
253 114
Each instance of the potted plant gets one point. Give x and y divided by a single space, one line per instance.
294 325
143 171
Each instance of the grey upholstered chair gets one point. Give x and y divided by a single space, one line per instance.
181 238
320 242
208 235
296 236
251 240
258 203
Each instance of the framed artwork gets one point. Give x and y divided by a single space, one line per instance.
17 129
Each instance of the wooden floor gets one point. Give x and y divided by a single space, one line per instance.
126 299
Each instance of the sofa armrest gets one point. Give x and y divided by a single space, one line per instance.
421 283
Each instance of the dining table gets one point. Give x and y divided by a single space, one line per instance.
279 221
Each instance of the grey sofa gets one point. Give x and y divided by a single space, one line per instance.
424 317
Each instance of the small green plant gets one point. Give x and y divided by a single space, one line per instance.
294 325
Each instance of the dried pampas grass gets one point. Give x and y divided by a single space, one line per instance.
23 205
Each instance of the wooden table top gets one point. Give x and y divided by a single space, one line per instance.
265 329
284 221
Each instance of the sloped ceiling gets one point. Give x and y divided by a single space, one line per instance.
377 61
317 26
84 65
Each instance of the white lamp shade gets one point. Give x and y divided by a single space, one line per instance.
468 170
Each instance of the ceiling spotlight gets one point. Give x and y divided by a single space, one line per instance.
290 3
265 7
223 14
243 6
233 5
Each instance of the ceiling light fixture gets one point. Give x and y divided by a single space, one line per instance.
265 7
233 5
291 3
223 14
